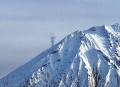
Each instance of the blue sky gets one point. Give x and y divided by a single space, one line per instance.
26 25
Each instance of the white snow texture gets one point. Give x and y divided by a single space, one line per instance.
89 58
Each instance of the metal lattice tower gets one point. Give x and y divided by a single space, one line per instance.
52 40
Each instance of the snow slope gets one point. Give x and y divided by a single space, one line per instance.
89 58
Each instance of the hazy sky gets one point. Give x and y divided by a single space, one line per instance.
26 25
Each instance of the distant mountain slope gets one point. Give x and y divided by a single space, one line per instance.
89 58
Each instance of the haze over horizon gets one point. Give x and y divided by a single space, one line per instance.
26 26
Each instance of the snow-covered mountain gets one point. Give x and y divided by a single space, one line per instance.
89 58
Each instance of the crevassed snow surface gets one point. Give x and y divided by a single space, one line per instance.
88 58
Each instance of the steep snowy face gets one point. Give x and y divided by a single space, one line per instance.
88 58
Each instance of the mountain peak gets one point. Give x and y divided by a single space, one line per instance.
89 58
116 25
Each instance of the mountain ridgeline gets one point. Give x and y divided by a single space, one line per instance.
89 58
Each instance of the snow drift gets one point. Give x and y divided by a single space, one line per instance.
89 58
